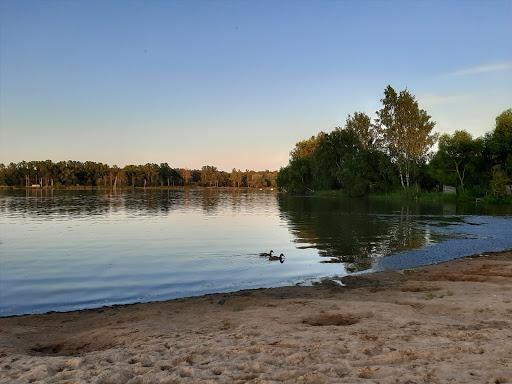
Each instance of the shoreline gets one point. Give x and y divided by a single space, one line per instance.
436 323
134 188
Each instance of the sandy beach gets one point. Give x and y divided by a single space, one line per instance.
447 323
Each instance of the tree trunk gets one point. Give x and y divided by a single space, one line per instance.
461 176
401 177
407 174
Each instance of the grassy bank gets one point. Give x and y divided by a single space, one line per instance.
418 196
421 196
395 196
442 197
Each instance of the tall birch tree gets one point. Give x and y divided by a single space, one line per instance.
407 131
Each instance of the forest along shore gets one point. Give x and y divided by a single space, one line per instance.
450 322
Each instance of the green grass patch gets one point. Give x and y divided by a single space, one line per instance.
414 195
331 193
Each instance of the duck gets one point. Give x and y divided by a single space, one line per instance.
275 258
265 254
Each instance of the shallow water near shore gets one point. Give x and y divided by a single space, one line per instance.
66 250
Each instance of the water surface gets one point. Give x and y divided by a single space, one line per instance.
65 250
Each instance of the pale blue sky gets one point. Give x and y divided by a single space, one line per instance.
236 83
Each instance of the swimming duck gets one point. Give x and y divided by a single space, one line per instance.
265 254
275 258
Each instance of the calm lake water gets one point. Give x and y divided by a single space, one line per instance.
66 250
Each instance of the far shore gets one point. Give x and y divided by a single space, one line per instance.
130 188
450 322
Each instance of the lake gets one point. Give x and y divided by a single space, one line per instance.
67 250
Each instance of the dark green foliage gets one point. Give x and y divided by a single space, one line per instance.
500 142
296 177
365 157
456 158
499 182
339 161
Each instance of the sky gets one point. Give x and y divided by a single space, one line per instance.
236 84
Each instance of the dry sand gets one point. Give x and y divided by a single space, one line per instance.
449 323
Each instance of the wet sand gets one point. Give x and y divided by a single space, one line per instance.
448 323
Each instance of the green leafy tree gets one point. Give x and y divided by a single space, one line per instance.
304 149
456 152
501 142
369 135
297 177
499 182
407 131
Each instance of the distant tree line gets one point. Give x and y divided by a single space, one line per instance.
394 151
75 173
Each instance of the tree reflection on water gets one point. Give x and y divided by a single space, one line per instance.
355 232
